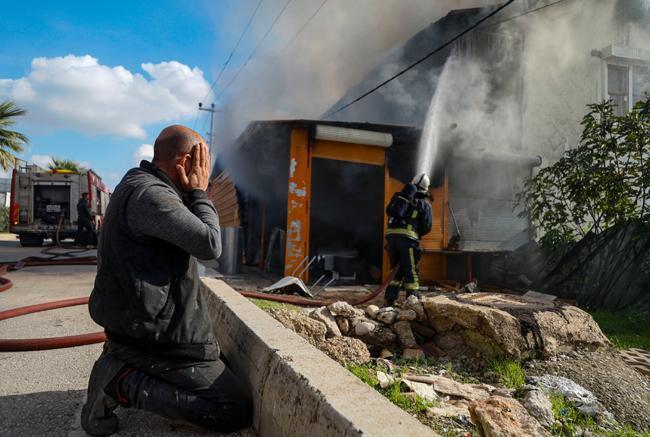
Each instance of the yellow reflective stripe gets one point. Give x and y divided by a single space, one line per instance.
414 270
401 231
415 214
395 283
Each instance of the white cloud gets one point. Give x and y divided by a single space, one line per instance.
45 160
79 93
40 160
145 151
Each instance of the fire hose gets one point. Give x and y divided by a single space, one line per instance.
32 344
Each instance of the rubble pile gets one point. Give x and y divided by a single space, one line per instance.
472 325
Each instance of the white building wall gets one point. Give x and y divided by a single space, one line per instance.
563 71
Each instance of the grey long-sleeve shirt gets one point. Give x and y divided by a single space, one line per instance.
193 225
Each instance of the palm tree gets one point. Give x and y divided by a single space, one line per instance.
11 142
63 164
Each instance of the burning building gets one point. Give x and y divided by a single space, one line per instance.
311 193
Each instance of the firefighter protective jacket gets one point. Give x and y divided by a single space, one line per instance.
417 224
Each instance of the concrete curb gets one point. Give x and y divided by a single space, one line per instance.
297 389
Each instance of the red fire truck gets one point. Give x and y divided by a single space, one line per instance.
44 202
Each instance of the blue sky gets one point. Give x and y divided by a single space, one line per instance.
81 104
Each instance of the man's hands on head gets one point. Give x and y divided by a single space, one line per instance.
198 175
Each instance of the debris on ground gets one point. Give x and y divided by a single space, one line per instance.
498 416
581 398
441 328
623 391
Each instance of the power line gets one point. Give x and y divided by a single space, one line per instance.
259 44
421 60
232 52
496 23
295 36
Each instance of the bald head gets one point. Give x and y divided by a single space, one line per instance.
173 142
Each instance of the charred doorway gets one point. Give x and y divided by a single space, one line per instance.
346 220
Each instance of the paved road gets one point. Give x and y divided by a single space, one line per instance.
41 392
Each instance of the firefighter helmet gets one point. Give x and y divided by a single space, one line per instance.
422 182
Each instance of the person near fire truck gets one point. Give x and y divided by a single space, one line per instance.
85 231
409 219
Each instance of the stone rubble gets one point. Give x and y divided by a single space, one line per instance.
539 406
386 315
498 416
324 316
581 398
385 380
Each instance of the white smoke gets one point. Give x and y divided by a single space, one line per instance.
336 50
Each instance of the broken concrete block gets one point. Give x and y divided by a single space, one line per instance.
491 324
449 387
539 406
324 316
372 311
423 390
405 335
452 409
385 353
384 379
406 315
504 417
413 354
387 315
342 308
380 337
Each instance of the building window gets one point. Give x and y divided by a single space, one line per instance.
626 85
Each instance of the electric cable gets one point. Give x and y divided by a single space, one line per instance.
232 52
505 20
259 44
421 60
304 26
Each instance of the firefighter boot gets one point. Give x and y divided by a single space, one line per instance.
97 417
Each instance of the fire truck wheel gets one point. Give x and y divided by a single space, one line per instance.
31 240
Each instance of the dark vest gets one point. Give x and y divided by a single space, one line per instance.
147 291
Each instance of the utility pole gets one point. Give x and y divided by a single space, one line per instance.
212 111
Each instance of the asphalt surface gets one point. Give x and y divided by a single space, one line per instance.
42 392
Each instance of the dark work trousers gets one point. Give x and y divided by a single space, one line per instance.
89 236
406 252
203 393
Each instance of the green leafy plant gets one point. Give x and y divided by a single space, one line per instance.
395 393
63 164
602 182
11 142
510 372
567 417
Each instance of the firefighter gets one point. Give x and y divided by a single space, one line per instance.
84 223
409 218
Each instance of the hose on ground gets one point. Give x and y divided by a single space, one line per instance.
301 301
32 344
